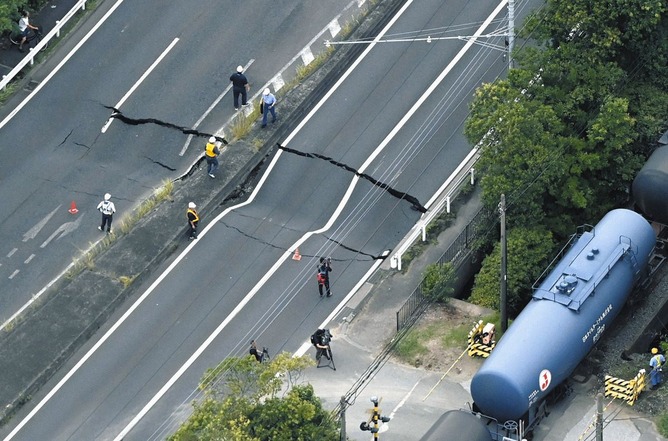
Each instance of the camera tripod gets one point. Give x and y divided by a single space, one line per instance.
328 356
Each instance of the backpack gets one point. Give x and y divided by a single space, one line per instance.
321 278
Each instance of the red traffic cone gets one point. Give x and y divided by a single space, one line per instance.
297 256
73 208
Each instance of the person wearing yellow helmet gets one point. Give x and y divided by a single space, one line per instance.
656 363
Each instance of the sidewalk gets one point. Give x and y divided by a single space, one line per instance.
53 11
364 327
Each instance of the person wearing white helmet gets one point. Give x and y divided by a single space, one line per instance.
268 105
193 220
211 153
656 363
240 86
107 208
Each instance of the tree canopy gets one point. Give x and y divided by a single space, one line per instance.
567 131
243 402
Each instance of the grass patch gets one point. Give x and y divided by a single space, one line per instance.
662 425
411 345
127 280
304 71
8 91
161 194
242 124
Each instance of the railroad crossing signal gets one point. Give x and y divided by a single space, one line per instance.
375 418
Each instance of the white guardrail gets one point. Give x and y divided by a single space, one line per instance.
442 198
53 33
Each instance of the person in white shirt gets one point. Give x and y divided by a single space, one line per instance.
107 208
268 105
25 27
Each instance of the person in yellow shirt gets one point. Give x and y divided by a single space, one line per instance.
211 153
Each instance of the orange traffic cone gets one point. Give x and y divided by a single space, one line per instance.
73 208
296 256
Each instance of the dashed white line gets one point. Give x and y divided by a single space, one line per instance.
29 258
11 253
14 274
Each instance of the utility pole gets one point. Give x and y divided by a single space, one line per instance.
504 256
342 418
511 32
599 417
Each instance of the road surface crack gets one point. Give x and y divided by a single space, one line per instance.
160 164
415 203
117 114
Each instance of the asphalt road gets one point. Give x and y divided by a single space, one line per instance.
52 150
396 117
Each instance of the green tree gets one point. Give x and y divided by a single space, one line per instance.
529 251
10 14
242 403
438 283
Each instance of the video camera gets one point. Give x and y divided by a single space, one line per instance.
321 337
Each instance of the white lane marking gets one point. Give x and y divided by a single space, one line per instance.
11 253
139 81
74 50
211 107
276 265
34 231
307 344
246 299
14 274
32 256
307 56
63 230
334 28
403 400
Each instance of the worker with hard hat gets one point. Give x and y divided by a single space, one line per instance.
656 363
268 105
211 153
107 208
193 220
240 86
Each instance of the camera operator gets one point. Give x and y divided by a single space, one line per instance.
321 340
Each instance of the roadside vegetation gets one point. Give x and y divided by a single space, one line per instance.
574 122
245 400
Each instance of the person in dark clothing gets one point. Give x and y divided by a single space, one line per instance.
320 340
240 86
193 220
254 352
324 269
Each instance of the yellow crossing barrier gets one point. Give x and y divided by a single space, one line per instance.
481 340
626 390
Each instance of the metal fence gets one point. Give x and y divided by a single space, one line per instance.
54 33
417 301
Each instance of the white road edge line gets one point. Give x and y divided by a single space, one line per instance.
139 81
267 275
60 65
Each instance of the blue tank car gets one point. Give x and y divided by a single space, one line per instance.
569 311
